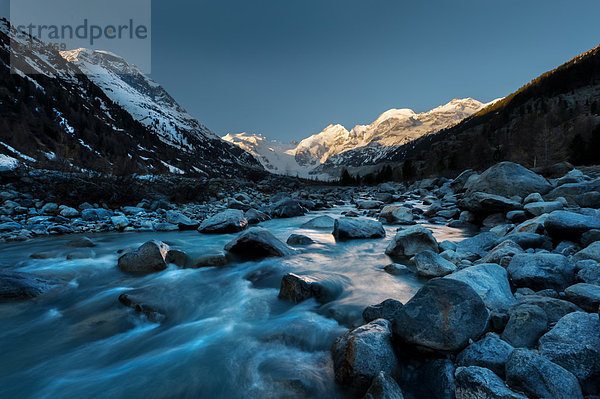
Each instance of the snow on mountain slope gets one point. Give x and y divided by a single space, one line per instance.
139 95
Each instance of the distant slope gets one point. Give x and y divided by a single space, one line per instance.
554 118
54 116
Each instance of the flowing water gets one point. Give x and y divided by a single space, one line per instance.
224 337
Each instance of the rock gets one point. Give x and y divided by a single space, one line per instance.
320 223
148 258
443 316
288 208
212 260
573 176
228 221
384 387
527 323
538 377
539 208
368 204
502 253
569 225
181 221
484 203
179 258
235 204
81 242
50 209
590 237
533 197
592 252
478 245
255 216
258 243
509 179
589 271
135 302
586 296
490 352
120 222
555 308
16 286
396 214
8 227
354 228
541 271
387 309
397 269
458 184
574 344
430 264
530 240
132 210
490 281
432 379
166 227
81 253
411 241
69 212
95 214
298 240
480 383
361 354
323 287
516 216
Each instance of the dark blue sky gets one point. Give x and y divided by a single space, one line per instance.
288 68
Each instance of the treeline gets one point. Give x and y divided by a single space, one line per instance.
386 174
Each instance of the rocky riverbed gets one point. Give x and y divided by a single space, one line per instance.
485 286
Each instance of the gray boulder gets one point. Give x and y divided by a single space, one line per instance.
527 323
217 259
478 245
299 240
361 354
537 377
320 223
539 208
396 214
354 228
16 286
148 258
569 225
288 208
509 179
592 252
586 296
384 387
502 253
183 222
228 221
387 309
480 383
258 243
324 287
411 241
555 308
490 281
527 240
490 352
95 214
574 343
443 316
589 271
485 203
541 270
254 216
430 264
139 303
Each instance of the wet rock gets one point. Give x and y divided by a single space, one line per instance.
541 271
527 323
320 223
490 352
484 203
384 387
81 253
8 227
387 309
212 260
368 204
228 221
569 225
586 296
179 258
458 184
538 377
590 237
255 216
592 252
299 240
288 208
323 287
589 271
528 240
502 253
148 258
132 210
555 308
396 214
258 243
539 208
50 209
480 383
490 281
81 242
430 264
137 303
397 269
235 204
566 248
350 228
411 241
16 286
45 254
443 316
361 354
533 197
574 344
181 221
478 245
69 212
95 214
509 179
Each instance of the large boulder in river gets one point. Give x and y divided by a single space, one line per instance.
541 271
411 241
569 225
508 179
430 264
485 203
490 281
288 208
258 243
387 309
320 223
396 214
324 287
228 221
480 383
443 316
148 258
537 377
15 286
350 228
574 343
361 354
